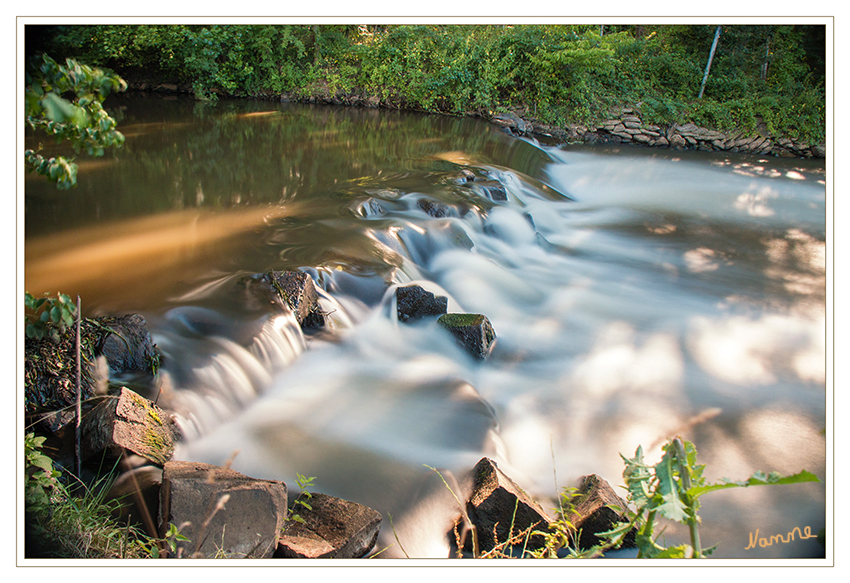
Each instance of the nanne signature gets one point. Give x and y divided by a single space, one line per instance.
755 540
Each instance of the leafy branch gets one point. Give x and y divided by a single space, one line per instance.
64 102
58 314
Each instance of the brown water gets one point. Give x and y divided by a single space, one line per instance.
631 291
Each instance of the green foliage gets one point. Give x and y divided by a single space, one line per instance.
72 522
48 317
559 73
671 489
561 533
64 102
42 485
301 502
161 548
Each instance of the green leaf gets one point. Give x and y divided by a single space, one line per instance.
757 479
672 506
638 478
679 552
304 504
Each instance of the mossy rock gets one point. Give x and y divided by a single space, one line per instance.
474 332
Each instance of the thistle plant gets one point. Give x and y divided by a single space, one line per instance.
672 489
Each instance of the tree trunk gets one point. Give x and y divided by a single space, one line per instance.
710 58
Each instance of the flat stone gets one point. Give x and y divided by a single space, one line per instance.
332 528
222 512
474 332
414 302
127 422
677 141
688 129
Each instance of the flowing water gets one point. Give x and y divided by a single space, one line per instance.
636 294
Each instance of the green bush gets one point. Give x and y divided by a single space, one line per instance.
560 73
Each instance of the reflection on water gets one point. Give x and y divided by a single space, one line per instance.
636 294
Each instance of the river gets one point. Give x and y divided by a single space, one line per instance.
636 294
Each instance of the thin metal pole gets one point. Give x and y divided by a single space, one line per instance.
79 400
708 66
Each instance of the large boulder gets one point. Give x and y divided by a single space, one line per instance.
332 528
474 332
499 509
414 302
127 422
223 513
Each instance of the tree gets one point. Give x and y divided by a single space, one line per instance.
65 102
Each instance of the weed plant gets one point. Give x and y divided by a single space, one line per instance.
69 519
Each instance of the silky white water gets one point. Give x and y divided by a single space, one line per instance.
635 294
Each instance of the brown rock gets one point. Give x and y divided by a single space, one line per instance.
598 509
332 529
222 512
500 509
127 422
297 290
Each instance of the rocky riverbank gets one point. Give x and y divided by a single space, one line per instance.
199 510
623 126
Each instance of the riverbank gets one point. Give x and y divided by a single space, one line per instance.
624 125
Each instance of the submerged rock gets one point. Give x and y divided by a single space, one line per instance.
413 302
434 209
490 189
297 290
223 513
332 528
472 331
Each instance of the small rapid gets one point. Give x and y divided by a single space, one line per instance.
636 294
